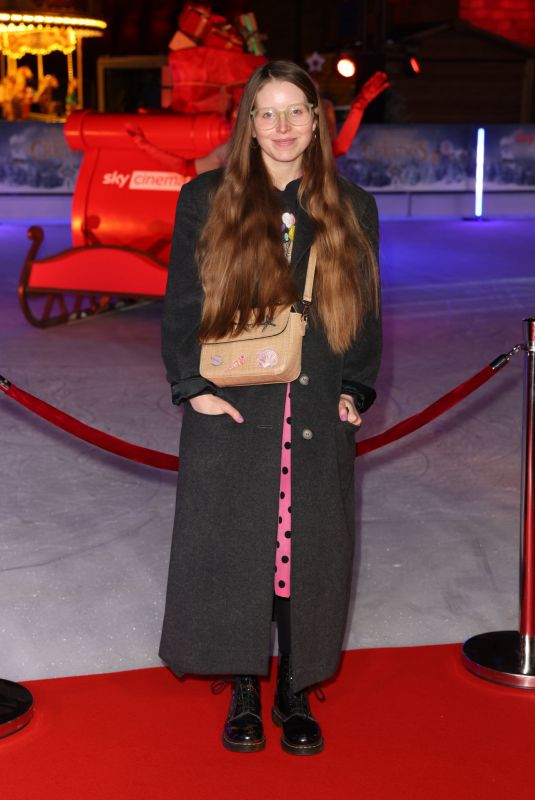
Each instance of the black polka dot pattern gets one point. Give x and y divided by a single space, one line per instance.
283 553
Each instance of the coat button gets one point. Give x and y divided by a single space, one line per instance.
307 433
303 380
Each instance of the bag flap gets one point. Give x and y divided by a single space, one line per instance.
270 327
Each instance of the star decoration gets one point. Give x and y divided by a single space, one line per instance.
315 62
267 323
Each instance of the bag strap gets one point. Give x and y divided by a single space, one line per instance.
309 280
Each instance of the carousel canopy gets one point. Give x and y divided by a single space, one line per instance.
40 34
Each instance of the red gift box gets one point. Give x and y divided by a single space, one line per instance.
224 37
180 41
206 79
196 21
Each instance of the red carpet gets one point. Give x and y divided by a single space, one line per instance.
398 723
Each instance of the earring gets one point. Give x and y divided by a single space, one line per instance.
254 143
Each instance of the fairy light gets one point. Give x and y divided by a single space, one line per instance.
14 28
52 19
17 49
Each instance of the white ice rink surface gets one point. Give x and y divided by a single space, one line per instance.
85 536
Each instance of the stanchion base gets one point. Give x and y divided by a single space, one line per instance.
496 657
16 707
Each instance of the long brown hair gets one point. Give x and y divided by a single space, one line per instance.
242 266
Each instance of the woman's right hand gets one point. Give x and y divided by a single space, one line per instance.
212 405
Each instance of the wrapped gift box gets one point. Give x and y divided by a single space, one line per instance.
196 21
224 37
180 41
207 79
249 30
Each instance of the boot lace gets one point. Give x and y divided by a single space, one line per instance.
246 693
299 702
216 687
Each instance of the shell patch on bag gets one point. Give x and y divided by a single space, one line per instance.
267 358
239 362
216 361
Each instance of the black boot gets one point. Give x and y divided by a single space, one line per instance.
243 731
301 734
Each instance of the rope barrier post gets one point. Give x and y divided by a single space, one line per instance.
16 707
508 657
16 701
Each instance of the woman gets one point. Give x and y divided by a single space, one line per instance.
235 522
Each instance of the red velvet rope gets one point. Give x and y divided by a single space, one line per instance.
144 455
155 458
428 414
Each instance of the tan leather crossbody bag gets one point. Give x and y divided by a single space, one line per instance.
269 352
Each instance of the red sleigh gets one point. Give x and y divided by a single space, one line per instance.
122 216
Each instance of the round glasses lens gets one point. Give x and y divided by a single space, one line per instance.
266 118
297 114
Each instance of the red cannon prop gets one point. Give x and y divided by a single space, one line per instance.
122 215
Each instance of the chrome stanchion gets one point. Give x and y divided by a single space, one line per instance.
16 707
508 657
16 702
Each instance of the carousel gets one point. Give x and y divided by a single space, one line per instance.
39 35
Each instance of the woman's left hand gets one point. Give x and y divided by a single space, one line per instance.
348 411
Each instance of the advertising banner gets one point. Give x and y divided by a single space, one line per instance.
412 158
510 158
35 159
440 158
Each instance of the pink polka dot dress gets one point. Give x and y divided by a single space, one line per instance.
284 529
283 555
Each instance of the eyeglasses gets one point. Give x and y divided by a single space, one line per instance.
296 115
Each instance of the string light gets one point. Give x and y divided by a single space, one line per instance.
50 19
20 33
14 49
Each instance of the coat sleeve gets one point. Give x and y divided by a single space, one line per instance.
361 361
183 302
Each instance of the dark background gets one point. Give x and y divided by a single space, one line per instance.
477 57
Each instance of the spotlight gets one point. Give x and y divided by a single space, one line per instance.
346 67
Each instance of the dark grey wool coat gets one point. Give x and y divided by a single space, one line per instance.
220 590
